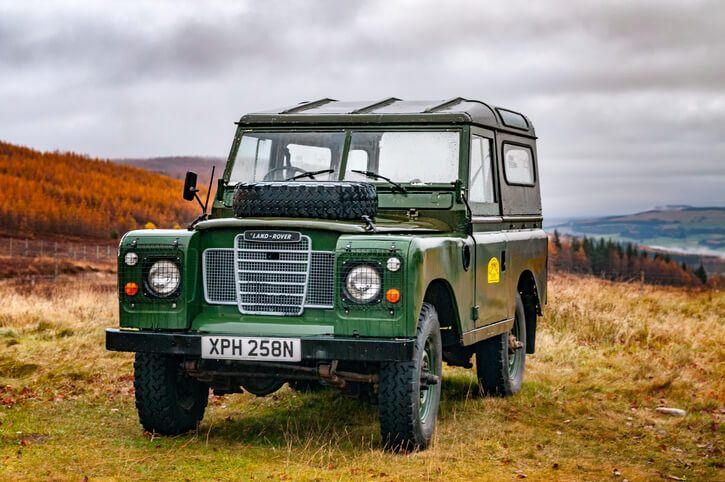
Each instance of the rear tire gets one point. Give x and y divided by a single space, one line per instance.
169 402
408 408
500 368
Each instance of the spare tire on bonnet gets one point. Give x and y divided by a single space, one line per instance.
306 199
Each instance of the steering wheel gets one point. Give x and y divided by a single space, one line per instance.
268 176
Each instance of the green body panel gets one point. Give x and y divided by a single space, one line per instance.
141 311
492 298
427 228
441 258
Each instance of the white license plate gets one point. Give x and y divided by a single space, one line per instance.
251 348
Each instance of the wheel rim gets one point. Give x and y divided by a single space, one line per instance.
428 365
515 357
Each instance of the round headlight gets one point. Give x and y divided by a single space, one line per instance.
363 283
393 264
131 258
164 277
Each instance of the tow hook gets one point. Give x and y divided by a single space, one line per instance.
514 344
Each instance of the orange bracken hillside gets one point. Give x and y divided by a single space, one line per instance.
72 194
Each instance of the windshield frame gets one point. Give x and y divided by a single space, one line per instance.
349 130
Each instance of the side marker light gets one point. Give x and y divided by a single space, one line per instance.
392 295
131 289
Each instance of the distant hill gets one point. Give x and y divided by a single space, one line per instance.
71 194
176 166
681 228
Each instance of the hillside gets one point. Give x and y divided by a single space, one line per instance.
177 166
682 228
72 194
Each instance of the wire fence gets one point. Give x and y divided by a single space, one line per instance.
18 247
39 261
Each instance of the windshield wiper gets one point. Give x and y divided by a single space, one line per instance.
310 174
375 175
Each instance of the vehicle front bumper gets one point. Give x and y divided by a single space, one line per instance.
319 347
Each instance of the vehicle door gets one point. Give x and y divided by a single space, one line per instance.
490 253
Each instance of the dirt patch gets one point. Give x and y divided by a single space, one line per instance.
33 438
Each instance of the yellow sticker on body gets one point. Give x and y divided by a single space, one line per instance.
493 271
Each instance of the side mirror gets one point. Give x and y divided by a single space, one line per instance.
190 186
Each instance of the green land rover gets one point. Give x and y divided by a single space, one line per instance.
354 245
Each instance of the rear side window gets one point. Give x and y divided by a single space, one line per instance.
513 119
480 183
518 165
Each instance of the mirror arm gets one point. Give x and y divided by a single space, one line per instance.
211 180
199 200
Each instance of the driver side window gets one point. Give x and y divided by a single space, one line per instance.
480 180
254 155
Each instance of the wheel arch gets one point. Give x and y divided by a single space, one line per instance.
526 287
440 294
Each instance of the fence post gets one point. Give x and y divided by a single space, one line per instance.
108 251
84 251
55 274
26 246
98 252
641 282
55 249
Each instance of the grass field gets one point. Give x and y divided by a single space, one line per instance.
607 356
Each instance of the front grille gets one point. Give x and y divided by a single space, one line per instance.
271 277
220 288
322 276
218 272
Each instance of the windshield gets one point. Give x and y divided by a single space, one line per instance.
277 156
404 157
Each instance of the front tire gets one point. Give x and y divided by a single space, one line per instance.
169 402
408 404
500 360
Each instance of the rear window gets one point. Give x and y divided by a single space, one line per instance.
518 165
513 119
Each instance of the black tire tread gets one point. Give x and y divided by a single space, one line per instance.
158 409
399 391
313 199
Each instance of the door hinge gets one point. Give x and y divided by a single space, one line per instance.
474 312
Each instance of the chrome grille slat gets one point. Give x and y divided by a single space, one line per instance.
267 283
220 287
292 266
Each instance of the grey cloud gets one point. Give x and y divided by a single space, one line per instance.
613 87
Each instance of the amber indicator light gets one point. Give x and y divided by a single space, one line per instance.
392 295
131 289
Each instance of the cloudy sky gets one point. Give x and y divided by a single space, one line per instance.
628 97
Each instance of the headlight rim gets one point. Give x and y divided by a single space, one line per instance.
347 268
148 263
